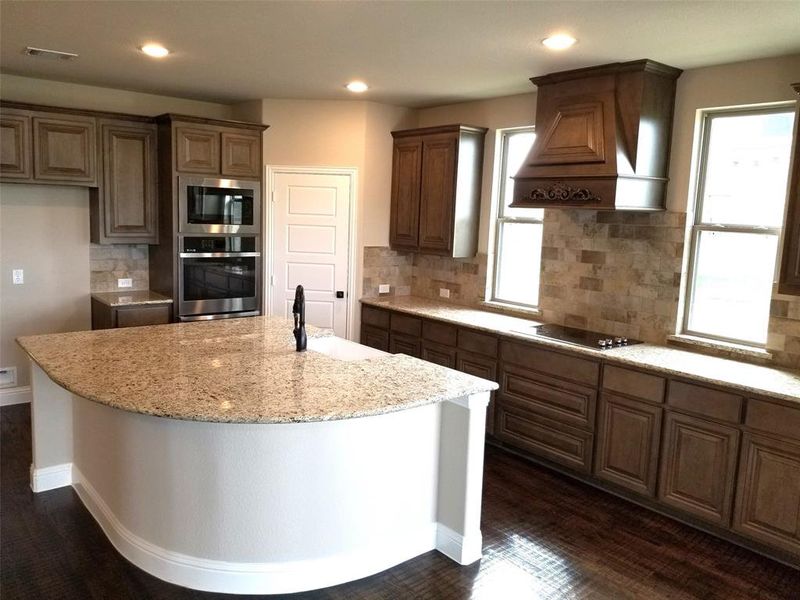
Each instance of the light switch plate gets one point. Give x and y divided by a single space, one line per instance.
384 288
444 292
18 276
125 283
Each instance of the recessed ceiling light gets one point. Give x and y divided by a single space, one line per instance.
559 41
357 86
155 50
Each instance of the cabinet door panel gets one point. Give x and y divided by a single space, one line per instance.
480 366
129 182
241 155
437 198
554 441
375 338
65 149
15 133
197 150
768 495
629 433
698 465
406 169
404 344
441 355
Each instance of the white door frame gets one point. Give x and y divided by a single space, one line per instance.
352 250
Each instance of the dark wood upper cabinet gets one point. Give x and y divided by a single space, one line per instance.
768 497
15 143
65 149
197 150
629 433
436 188
789 282
241 155
698 467
602 138
406 175
124 208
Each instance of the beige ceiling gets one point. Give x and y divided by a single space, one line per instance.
411 53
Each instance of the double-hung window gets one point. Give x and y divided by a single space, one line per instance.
518 231
738 214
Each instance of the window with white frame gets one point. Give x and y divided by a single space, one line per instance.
738 214
518 231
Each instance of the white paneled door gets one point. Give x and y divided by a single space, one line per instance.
310 245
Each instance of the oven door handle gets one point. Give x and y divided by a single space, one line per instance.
218 254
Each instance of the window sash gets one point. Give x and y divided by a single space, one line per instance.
699 226
501 220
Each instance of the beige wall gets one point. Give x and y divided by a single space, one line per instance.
73 95
45 231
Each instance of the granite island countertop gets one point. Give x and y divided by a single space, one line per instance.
237 371
132 298
745 377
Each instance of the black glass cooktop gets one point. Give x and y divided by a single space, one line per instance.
581 337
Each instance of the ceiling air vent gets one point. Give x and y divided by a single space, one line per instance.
50 54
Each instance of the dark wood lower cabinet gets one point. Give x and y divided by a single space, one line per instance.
562 444
439 354
698 467
628 437
136 315
375 337
768 498
400 343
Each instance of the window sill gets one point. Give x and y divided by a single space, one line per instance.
729 349
511 308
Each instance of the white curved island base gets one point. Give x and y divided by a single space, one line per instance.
269 507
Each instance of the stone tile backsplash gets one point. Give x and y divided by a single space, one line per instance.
120 261
616 272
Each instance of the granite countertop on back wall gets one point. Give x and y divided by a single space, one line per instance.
132 298
745 377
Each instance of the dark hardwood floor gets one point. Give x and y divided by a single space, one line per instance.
545 537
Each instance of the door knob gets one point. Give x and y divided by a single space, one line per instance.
339 294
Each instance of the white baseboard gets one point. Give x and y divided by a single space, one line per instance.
249 578
16 395
465 550
50 478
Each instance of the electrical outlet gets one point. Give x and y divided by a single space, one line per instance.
8 377
384 288
444 293
125 283
18 276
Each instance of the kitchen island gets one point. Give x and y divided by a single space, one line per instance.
216 457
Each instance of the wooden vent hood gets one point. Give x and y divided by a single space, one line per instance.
602 138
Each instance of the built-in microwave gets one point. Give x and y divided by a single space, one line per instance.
229 206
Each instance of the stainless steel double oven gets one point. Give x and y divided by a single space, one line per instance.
219 255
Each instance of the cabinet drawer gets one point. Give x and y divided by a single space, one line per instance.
704 401
143 315
375 317
552 363
480 343
560 400
375 337
404 344
559 443
768 493
439 354
773 418
628 438
634 383
441 333
405 324
698 466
